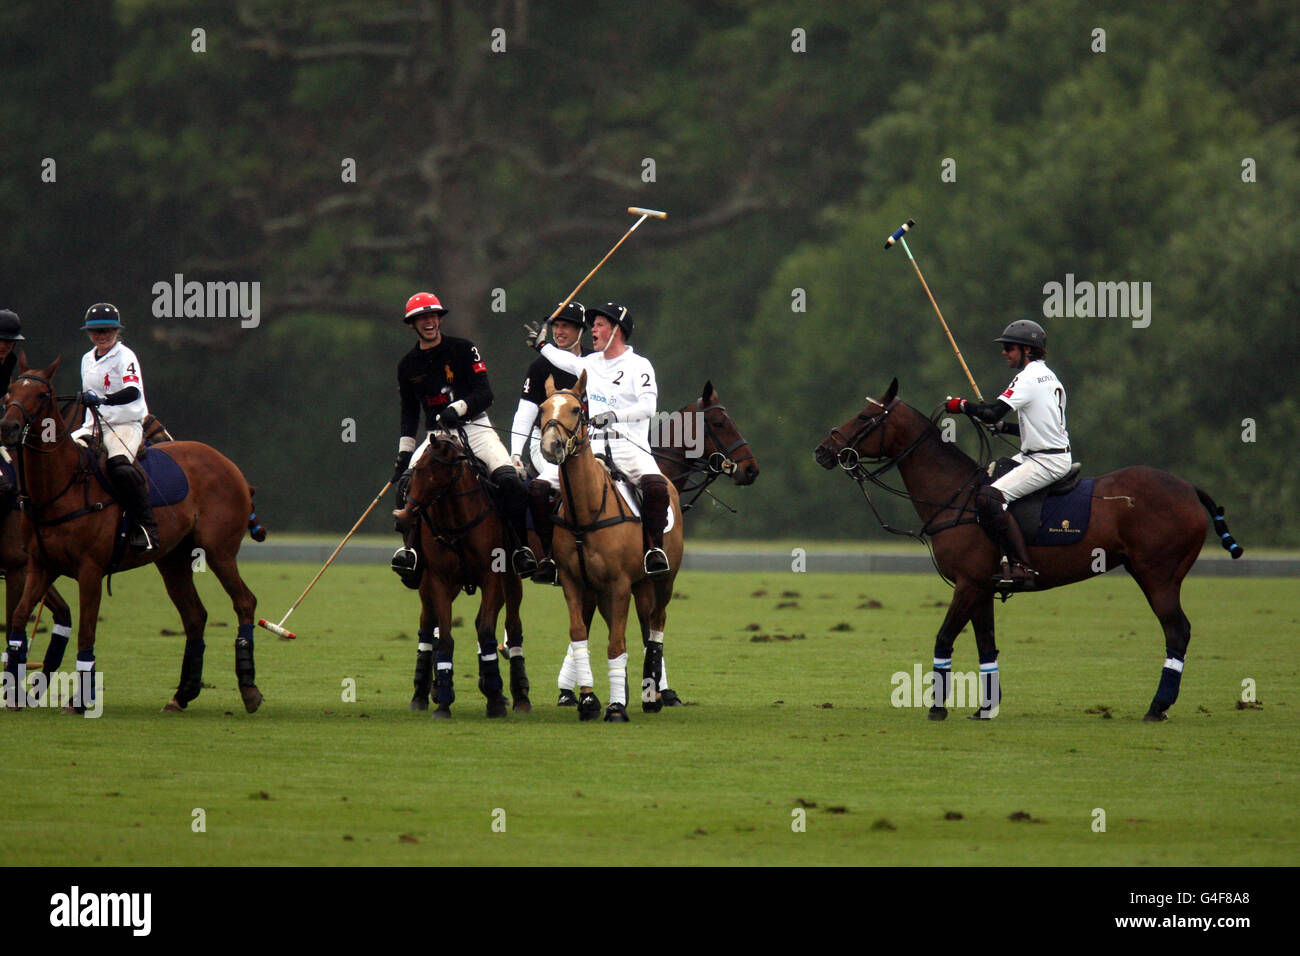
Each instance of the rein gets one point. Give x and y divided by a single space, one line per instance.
450 537
699 473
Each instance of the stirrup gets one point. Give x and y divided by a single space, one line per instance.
1016 576
406 564
140 539
524 562
655 562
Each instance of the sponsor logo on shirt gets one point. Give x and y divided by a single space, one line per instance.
1006 394
480 367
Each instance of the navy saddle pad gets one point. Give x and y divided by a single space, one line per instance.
167 482
1047 520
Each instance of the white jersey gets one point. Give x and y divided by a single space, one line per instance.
625 386
116 370
1039 400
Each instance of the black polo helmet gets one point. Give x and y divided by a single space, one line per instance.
1024 332
572 312
617 314
11 327
102 315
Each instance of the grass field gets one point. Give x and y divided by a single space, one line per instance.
775 725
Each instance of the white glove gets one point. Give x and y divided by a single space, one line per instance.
519 467
603 419
536 333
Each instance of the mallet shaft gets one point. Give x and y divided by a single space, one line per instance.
279 628
947 331
634 210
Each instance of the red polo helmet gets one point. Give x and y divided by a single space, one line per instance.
420 303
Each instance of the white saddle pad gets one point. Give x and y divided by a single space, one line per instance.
626 491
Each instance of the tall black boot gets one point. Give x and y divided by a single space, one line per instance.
654 518
1005 532
514 504
539 504
133 491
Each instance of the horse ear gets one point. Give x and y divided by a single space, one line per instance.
49 372
581 387
550 385
709 395
891 394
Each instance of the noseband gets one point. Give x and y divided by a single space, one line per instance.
572 443
721 462
849 458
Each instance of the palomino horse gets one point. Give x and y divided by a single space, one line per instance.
1146 520
598 553
71 524
461 538
691 466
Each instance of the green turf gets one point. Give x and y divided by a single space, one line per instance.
775 725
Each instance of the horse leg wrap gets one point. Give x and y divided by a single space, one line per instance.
424 664
652 669
84 695
519 686
58 646
581 664
489 668
568 679
1171 676
942 683
618 679
191 672
15 680
244 669
990 691
444 693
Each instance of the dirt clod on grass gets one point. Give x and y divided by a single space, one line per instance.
953 815
1020 816
883 824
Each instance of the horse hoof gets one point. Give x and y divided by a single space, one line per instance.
616 714
419 703
567 699
588 707
173 706
71 711
670 698
252 698
498 707
523 706
651 706
938 713
980 715
441 712
1151 717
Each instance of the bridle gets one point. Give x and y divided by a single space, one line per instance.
702 472
424 510
572 443
47 397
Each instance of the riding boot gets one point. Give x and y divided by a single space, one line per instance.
539 505
654 518
1021 574
514 505
133 492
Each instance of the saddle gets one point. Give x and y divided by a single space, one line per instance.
1056 515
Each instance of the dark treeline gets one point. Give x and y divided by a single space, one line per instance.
1112 142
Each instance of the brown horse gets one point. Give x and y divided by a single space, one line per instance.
1148 521
72 522
598 553
461 538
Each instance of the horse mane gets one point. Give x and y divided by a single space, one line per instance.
945 449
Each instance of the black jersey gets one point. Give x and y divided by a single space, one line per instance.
454 364
534 389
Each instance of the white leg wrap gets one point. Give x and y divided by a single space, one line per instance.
581 664
62 630
618 679
1174 664
568 670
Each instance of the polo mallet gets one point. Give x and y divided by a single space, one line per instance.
634 210
898 237
280 628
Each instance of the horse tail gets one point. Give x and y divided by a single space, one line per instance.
1220 526
255 529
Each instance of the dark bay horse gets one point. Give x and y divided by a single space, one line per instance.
71 524
461 538
1148 521
598 553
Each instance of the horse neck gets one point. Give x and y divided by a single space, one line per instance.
931 477
583 482
48 469
460 507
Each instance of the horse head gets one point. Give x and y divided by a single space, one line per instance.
727 452
436 474
562 420
879 432
30 397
